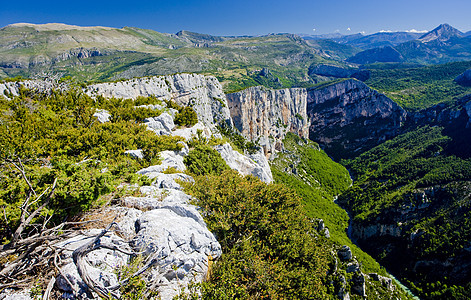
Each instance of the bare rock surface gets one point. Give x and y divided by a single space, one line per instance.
102 115
268 115
203 93
245 165
349 117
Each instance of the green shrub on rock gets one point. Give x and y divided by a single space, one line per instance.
203 160
186 117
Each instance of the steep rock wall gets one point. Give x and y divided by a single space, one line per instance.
203 93
346 117
267 115
349 117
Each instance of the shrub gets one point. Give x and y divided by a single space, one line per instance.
186 117
270 249
203 160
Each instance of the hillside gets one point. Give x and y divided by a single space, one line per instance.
100 54
276 166
419 88
409 206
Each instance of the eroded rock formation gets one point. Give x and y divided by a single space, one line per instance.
267 115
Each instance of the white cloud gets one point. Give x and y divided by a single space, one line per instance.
348 29
338 30
416 31
411 31
313 29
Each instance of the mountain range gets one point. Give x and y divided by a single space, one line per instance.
101 53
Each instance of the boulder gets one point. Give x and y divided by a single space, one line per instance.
161 125
166 120
353 267
326 233
102 115
168 181
155 126
244 165
189 133
358 284
345 253
137 154
103 262
182 245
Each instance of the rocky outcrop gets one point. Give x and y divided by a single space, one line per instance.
266 115
464 79
203 93
9 89
346 117
349 117
255 164
81 53
147 225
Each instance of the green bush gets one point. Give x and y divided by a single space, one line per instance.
270 249
186 117
204 160
237 141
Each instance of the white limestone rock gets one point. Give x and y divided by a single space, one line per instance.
11 294
161 125
190 133
137 154
166 120
168 181
268 115
182 244
203 93
103 262
102 115
245 165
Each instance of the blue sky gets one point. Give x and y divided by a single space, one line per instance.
246 17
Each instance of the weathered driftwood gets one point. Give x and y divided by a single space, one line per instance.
37 252
82 266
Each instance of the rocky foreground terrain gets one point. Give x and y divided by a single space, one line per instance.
161 223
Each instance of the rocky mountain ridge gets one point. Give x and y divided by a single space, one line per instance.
442 33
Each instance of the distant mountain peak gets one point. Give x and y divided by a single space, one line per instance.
442 33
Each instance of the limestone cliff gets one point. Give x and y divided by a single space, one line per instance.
346 117
349 117
203 93
267 115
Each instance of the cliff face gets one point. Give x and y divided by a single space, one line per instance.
346 117
349 117
203 93
268 115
